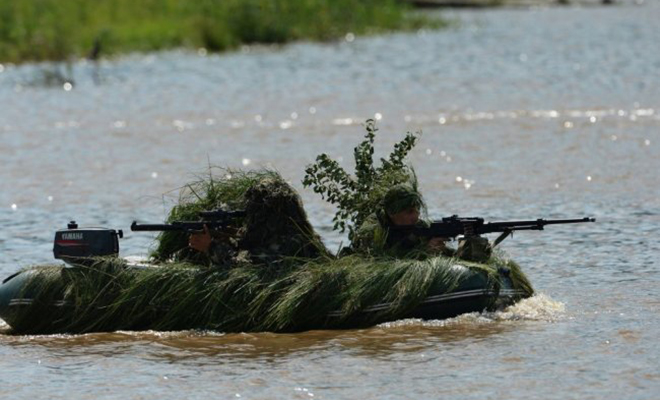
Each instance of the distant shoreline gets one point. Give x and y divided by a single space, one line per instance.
62 30
504 3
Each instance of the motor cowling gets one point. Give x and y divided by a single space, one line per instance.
79 246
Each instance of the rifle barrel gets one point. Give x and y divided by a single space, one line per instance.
539 222
183 226
568 221
154 227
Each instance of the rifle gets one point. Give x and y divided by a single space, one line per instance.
453 226
214 220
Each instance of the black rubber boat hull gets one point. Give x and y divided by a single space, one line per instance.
474 294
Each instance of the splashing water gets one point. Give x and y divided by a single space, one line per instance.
536 308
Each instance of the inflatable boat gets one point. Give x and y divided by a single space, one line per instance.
107 293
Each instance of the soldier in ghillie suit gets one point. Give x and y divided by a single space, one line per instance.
276 224
275 227
401 206
221 251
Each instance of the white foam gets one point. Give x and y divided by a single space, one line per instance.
537 308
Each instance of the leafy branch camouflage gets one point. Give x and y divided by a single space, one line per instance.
359 195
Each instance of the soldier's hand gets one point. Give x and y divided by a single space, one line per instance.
200 241
437 244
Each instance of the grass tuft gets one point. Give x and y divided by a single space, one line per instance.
218 188
292 297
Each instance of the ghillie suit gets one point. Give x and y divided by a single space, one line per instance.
376 236
367 199
276 224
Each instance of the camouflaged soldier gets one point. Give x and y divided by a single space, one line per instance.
275 227
220 252
401 205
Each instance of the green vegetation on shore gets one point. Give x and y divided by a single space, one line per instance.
36 30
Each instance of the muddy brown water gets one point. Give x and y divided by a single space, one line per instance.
550 113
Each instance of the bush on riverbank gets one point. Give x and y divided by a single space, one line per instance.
57 29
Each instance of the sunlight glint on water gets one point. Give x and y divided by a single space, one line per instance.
501 106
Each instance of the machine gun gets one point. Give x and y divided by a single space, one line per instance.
213 220
453 226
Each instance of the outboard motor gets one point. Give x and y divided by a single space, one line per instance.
79 246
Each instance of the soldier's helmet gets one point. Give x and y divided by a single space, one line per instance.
402 197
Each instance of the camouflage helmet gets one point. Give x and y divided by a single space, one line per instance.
402 197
